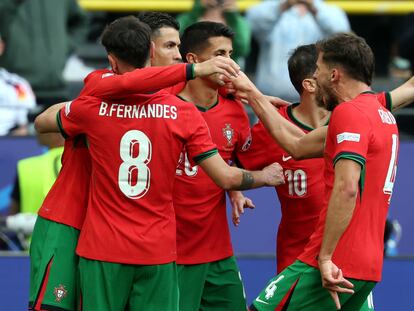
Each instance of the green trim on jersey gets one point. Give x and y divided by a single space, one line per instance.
59 123
388 100
360 160
205 155
204 109
200 108
297 121
193 76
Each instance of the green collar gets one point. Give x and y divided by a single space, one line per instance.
200 108
296 121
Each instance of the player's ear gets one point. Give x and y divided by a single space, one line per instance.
191 58
114 63
309 85
152 50
335 74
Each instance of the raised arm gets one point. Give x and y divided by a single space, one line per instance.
331 19
155 78
298 144
403 95
263 17
233 178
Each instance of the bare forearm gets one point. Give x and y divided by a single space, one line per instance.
243 180
46 122
340 210
403 95
341 205
286 134
233 178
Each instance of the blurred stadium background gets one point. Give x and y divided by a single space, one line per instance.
254 239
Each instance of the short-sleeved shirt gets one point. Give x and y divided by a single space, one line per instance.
364 131
202 228
67 200
135 145
300 197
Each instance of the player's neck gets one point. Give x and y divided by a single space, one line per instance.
349 89
309 113
200 93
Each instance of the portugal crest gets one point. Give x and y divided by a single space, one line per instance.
60 292
228 134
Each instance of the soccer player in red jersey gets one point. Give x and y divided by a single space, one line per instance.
127 242
360 165
54 264
166 37
300 198
208 275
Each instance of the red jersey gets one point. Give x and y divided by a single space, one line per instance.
300 197
74 176
364 131
200 205
135 145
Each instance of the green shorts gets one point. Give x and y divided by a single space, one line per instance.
299 287
368 304
211 286
119 287
54 276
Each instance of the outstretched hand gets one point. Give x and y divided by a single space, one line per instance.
238 203
334 281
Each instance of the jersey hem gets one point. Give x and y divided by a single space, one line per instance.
143 261
202 260
346 275
49 218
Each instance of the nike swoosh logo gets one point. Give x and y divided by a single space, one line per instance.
259 300
286 158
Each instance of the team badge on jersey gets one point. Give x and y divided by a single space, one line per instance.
228 133
60 292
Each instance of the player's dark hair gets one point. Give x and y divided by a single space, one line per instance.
302 65
352 53
128 39
158 20
195 37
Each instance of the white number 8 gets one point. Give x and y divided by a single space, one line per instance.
134 174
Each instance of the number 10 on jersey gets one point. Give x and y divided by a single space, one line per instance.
134 174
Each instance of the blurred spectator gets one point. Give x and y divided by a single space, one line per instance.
225 12
39 36
36 175
16 98
279 27
406 41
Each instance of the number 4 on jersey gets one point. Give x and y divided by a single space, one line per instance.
392 167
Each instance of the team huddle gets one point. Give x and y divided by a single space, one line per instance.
118 231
